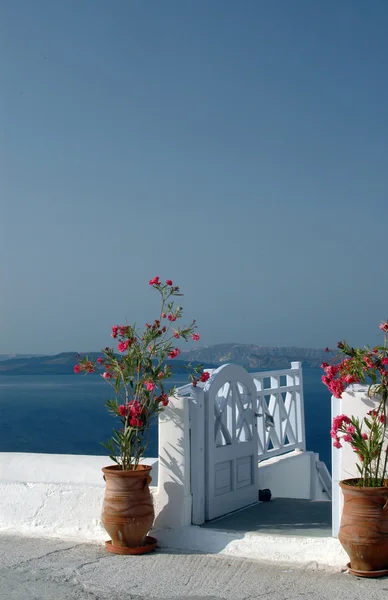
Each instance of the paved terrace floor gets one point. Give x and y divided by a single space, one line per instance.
51 569
280 516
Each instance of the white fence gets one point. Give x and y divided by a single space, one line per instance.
280 411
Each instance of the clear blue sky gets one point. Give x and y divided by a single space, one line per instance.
238 147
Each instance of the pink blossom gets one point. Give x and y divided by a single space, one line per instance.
168 282
135 408
171 317
160 375
77 368
136 422
163 399
100 360
337 444
384 361
115 329
204 376
384 327
347 438
163 315
176 335
122 410
368 362
174 353
195 337
122 346
351 429
364 436
149 385
154 281
107 375
350 379
339 420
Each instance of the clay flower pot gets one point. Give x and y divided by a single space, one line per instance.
128 511
364 528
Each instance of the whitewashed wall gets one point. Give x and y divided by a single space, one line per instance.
354 401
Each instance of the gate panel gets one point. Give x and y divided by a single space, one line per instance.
231 465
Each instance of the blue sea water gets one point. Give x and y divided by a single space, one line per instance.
65 414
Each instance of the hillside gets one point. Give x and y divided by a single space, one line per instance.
248 355
258 357
63 364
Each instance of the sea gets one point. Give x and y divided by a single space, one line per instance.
66 414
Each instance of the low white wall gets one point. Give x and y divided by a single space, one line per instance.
55 494
292 475
356 402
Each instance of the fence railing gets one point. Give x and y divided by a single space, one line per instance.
280 413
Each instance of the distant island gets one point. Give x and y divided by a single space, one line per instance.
251 357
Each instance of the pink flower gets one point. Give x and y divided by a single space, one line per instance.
368 362
154 281
164 315
347 438
168 282
107 375
77 368
174 353
171 317
384 361
384 327
122 346
339 421
176 335
149 385
351 429
115 329
160 375
350 379
364 436
337 444
163 399
204 377
100 360
122 410
195 337
136 422
135 408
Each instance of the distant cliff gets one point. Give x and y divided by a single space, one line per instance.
257 357
249 356
63 364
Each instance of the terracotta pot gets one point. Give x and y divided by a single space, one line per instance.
364 528
128 511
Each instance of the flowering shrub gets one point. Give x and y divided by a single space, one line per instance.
139 373
367 437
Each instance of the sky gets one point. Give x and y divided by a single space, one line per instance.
239 148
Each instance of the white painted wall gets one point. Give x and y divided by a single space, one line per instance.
356 402
292 475
55 494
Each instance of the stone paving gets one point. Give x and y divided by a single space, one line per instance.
51 569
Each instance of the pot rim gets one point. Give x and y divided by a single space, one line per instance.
116 471
351 484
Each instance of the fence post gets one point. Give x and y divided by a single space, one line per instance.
174 493
197 454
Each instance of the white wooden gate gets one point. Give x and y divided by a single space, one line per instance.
231 441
